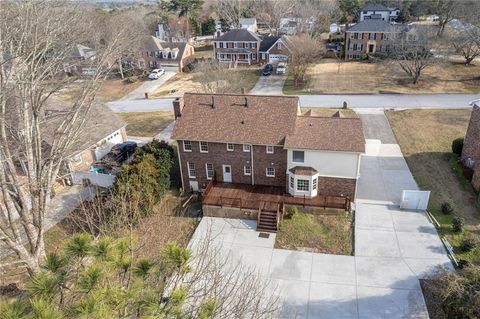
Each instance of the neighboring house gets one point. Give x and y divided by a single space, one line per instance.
379 11
164 33
263 141
80 61
156 54
275 49
471 147
369 37
237 45
249 24
288 26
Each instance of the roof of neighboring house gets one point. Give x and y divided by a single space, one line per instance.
327 133
303 170
267 43
375 7
248 21
239 35
81 51
372 25
100 122
152 43
243 119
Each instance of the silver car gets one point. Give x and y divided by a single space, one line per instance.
281 68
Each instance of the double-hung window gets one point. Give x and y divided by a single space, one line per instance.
303 185
192 173
187 146
270 172
210 171
247 170
269 149
247 147
230 147
292 182
203 147
298 156
314 184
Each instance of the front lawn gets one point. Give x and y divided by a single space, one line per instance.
329 76
425 137
330 234
146 124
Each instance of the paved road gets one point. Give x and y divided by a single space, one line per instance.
148 86
269 85
398 101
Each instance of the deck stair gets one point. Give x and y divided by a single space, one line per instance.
269 216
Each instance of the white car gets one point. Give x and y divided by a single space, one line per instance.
156 73
281 68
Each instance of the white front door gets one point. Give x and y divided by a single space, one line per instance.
227 173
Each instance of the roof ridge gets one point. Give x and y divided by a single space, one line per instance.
329 117
240 94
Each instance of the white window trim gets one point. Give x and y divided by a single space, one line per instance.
266 172
200 147
293 161
245 170
206 170
233 147
184 149
248 149
188 168
302 190
269 152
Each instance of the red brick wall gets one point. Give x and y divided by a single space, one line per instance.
218 156
331 186
471 147
363 41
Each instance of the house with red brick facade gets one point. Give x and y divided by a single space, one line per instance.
243 151
275 49
471 147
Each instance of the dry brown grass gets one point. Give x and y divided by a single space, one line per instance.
324 112
425 137
330 76
109 90
146 124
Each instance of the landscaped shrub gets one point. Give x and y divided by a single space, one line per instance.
291 211
468 243
457 146
447 208
457 224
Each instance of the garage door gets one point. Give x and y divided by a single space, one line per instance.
273 58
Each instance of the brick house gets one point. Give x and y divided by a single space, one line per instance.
369 37
258 145
275 49
156 53
237 45
471 147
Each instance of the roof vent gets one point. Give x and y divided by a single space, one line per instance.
242 122
213 101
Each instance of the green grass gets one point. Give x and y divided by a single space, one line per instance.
146 124
331 234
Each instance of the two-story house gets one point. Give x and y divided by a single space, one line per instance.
237 45
261 149
379 11
471 147
275 49
369 37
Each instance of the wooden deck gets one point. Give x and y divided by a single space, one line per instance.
251 197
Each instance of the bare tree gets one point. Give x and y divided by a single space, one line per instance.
466 42
270 12
36 41
412 51
304 50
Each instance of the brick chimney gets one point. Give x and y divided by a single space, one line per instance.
178 105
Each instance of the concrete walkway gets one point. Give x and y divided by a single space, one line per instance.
393 249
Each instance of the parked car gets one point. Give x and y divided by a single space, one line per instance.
281 68
267 70
156 73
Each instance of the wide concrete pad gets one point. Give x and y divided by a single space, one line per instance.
373 216
385 272
333 269
291 265
332 301
376 243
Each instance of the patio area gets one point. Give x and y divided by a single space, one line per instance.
253 196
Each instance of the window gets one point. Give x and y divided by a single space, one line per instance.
292 182
269 149
77 158
203 147
247 147
254 45
210 171
187 146
298 156
355 35
371 36
303 185
279 45
235 45
247 170
270 171
192 173
230 147
314 184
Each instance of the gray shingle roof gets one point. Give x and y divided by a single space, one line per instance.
239 35
372 25
375 7
267 43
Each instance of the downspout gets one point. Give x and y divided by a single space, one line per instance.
253 171
358 176
180 164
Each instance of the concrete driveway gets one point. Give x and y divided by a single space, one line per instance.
149 86
269 85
